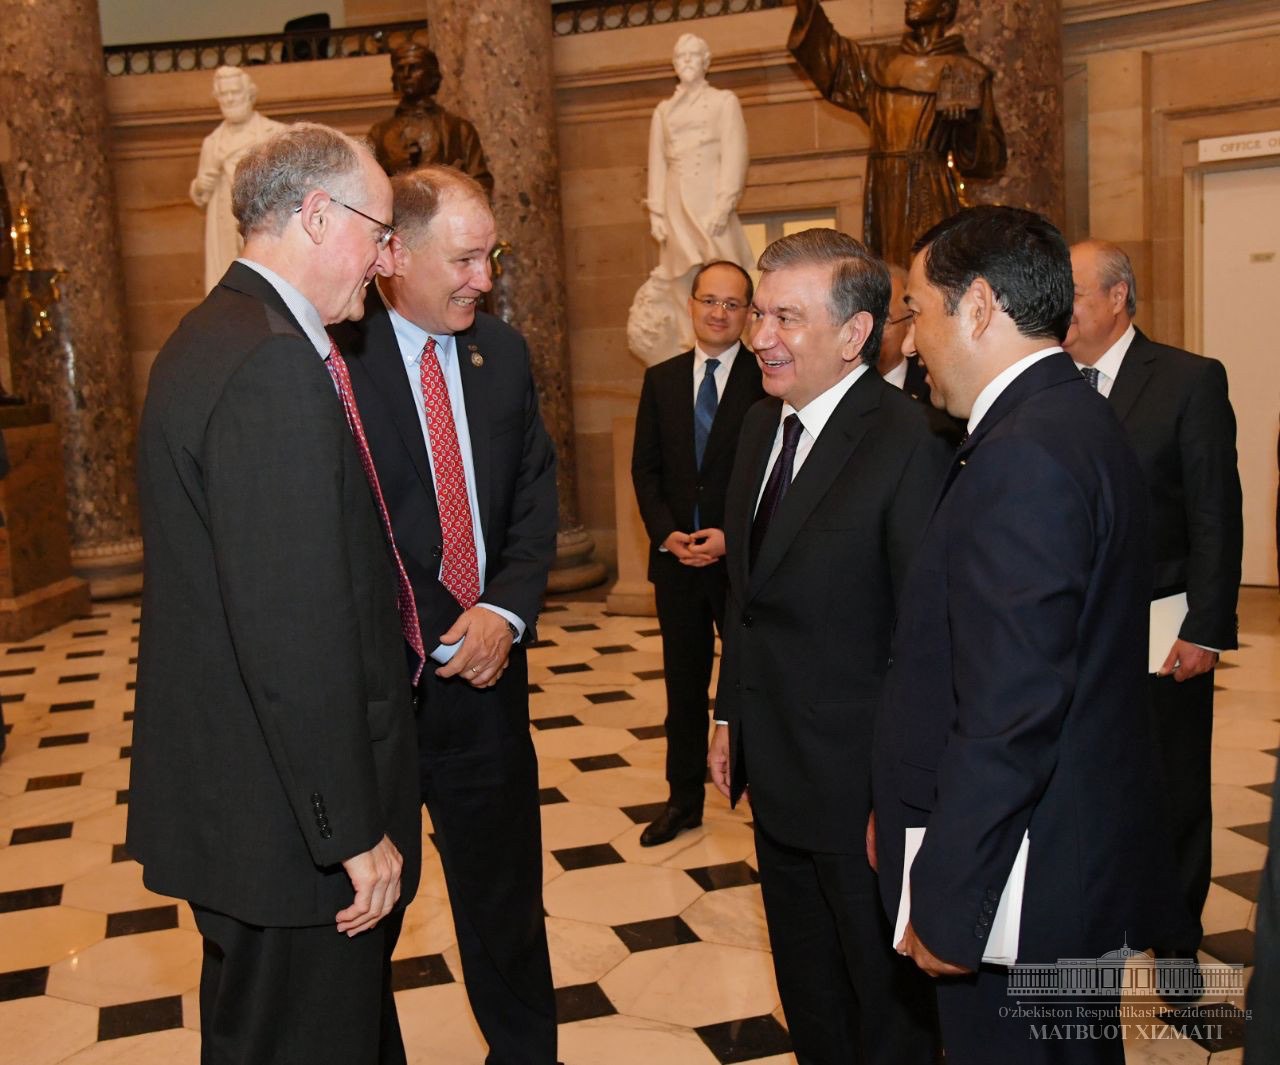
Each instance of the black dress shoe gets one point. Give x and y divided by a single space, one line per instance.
669 824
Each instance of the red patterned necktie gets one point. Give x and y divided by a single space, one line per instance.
460 571
404 590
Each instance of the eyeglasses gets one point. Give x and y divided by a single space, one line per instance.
730 306
898 321
387 229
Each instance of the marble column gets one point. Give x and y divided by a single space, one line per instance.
1021 40
495 56
53 100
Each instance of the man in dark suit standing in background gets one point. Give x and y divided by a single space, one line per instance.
895 365
1175 411
831 488
273 780
468 473
691 409
1019 653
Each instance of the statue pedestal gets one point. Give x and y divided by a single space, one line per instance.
632 594
37 587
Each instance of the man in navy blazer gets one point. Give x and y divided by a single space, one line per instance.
1020 652
700 395
479 774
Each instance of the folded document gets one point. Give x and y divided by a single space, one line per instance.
1002 943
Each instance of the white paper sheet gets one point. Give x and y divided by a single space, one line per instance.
1002 943
1167 615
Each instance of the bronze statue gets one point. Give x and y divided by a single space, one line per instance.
925 99
421 131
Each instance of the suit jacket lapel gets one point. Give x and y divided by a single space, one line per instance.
246 280
753 455
677 405
1135 372
385 368
1053 370
471 363
830 454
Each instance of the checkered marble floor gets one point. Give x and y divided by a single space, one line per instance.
658 954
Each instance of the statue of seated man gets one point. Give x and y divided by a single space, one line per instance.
421 131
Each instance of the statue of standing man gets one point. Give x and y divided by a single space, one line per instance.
924 99
242 127
421 131
697 172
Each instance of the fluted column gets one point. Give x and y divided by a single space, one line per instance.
1021 40
495 56
53 100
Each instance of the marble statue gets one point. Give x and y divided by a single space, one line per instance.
930 110
421 131
697 171
242 127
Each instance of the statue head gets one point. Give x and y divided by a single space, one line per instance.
415 71
921 13
691 58
236 94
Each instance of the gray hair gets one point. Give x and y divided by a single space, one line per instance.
275 176
1114 268
859 281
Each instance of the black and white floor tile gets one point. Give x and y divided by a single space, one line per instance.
658 954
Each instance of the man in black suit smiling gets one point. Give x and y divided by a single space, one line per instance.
469 476
834 478
691 409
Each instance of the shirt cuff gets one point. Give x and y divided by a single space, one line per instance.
446 651
719 722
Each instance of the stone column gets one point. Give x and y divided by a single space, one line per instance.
1021 40
495 56
52 98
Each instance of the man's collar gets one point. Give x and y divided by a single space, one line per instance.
817 412
725 357
1109 363
988 396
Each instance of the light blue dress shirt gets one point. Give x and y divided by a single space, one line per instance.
411 340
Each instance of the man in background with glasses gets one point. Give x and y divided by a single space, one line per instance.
901 370
691 407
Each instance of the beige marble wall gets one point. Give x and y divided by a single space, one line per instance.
1143 81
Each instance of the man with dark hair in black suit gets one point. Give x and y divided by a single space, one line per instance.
469 476
691 409
1176 413
1019 654
834 478
272 781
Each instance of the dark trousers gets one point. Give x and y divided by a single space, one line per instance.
297 996
980 1027
1182 724
848 997
480 786
690 604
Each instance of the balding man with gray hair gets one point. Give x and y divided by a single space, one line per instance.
1175 410
273 782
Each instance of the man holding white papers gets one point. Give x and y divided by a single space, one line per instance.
1175 411
1019 652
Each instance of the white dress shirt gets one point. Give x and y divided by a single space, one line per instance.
813 419
1109 365
411 340
897 376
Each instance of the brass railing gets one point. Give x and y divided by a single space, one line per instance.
164 57
590 16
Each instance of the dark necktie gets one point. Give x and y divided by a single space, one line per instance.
460 570
337 368
776 487
1091 374
704 409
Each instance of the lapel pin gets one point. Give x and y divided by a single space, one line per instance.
476 358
